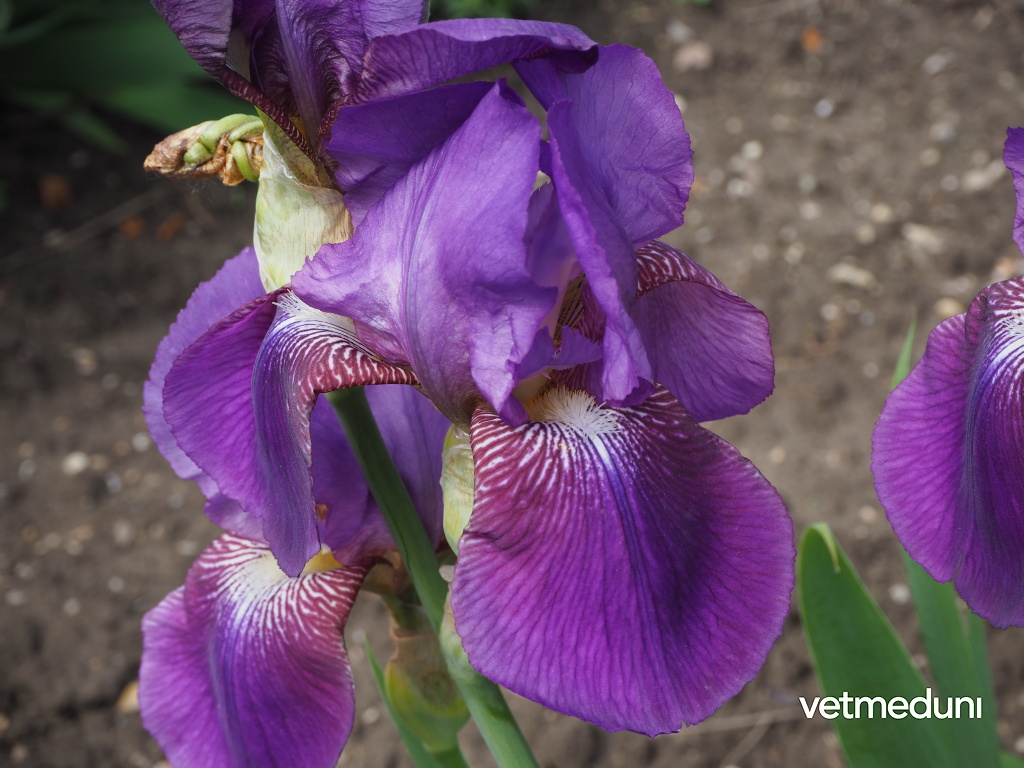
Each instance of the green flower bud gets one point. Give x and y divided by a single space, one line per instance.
456 484
293 219
422 692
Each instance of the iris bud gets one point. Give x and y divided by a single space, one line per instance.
421 691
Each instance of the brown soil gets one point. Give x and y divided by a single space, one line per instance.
848 174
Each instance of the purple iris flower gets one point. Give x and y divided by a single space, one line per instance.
621 564
345 79
949 445
245 665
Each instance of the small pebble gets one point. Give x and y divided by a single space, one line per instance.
128 701
848 274
777 455
678 32
936 63
947 307
824 108
810 210
140 441
72 607
865 233
929 157
74 463
752 150
115 584
187 548
16 597
693 56
124 533
900 593
868 513
86 361
370 716
870 370
927 239
881 213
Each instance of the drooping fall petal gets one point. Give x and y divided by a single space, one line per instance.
245 666
707 346
949 455
624 566
234 285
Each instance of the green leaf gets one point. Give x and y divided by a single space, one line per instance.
903 361
420 757
1008 760
954 665
174 106
857 653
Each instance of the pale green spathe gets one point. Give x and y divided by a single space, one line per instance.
292 220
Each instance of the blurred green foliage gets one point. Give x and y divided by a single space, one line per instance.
457 9
64 58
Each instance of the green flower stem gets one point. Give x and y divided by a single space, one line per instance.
453 758
353 411
487 706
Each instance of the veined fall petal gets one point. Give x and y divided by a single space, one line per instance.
948 455
245 666
621 565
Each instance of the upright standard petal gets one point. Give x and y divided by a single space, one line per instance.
235 284
707 346
244 666
443 284
375 144
641 565
1013 156
949 455
621 163
433 53
301 55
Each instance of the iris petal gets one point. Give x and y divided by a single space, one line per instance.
621 162
1013 156
235 284
641 565
949 455
375 144
443 282
239 400
432 53
244 666
413 432
708 347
